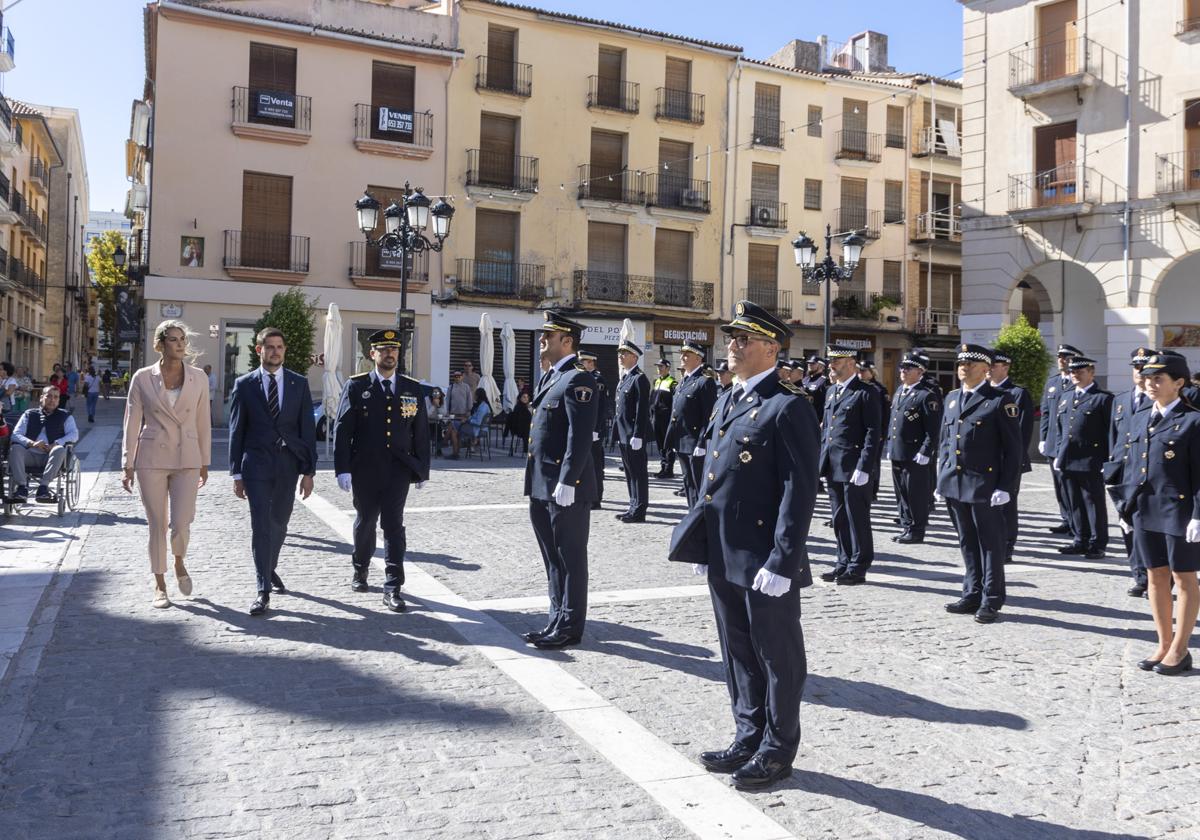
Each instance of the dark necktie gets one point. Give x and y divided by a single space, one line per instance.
387 388
545 378
734 397
1141 398
1155 418
273 395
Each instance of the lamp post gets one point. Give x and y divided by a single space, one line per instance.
404 231
827 271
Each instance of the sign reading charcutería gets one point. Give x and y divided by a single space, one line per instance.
272 105
392 120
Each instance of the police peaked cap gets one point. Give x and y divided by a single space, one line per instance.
630 347
1081 362
555 321
1141 355
974 353
385 338
692 347
1069 350
840 351
816 360
749 316
586 356
914 360
1000 357
1172 364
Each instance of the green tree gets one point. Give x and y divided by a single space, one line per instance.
294 313
1023 343
106 277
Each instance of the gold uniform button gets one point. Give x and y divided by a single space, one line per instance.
959 468
760 522
711 476
389 434
957 451
707 498
715 453
721 433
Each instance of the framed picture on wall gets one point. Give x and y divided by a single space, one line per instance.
191 251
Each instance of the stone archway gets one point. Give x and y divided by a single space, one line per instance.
1030 298
1177 304
1069 303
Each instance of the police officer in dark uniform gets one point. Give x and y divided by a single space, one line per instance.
690 412
381 447
587 361
852 433
912 442
560 481
662 393
1084 415
816 382
998 377
724 376
979 459
866 372
1048 428
1127 406
747 532
631 427
935 387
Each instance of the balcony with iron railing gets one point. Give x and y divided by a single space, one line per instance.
606 287
768 131
501 171
679 105
1061 65
858 146
937 227
26 278
1177 172
373 267
280 116
675 192
607 94
931 321
278 257
1068 189
8 215
623 187
6 114
1188 29
931 140
38 174
502 76
8 50
868 223
766 212
776 301
382 130
30 221
855 303
496 278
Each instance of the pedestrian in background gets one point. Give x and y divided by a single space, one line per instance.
914 427
662 393
167 446
106 384
8 388
91 393
587 359
470 376
24 388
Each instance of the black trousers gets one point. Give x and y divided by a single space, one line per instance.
598 466
380 498
1136 567
911 482
637 478
691 466
666 456
851 510
1088 507
1012 524
762 646
271 500
1060 496
562 535
981 540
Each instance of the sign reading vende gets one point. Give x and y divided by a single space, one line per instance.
398 121
275 106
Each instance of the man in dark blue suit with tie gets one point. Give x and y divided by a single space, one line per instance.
912 440
272 442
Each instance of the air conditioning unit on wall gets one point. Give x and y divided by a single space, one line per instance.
692 198
764 216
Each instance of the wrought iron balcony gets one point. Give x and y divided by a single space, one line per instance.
680 105
369 260
624 187
5 188
943 226
502 171
637 290
932 141
6 113
8 50
670 191
1065 185
867 222
492 278
38 174
274 251
32 222
613 95
1047 68
503 76
766 213
937 321
769 131
852 144
776 301
393 126
279 109
1177 172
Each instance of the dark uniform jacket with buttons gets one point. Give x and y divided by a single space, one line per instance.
632 419
560 436
914 424
817 387
691 410
370 426
1025 406
1125 410
852 431
1048 424
758 487
1162 471
1083 429
601 398
980 447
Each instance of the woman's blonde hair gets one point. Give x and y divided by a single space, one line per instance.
160 333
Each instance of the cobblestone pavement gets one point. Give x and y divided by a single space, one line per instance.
333 718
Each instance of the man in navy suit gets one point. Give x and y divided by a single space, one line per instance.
272 442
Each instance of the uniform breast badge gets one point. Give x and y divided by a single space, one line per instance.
1169 454
583 394
745 457
408 406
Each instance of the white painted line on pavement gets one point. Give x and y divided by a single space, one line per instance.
705 805
614 596
441 508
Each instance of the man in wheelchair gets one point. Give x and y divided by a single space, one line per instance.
39 443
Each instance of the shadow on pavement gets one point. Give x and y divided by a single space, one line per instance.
885 701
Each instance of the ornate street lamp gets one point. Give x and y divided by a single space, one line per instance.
827 271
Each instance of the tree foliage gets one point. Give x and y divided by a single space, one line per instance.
106 277
1023 343
293 313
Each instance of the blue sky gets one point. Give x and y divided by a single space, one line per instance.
88 54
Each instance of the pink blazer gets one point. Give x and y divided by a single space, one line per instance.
159 437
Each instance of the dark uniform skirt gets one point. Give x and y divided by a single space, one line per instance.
1157 549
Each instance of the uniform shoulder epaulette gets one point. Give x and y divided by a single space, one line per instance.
365 373
412 379
793 389
579 366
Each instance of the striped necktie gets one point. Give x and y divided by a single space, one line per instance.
272 395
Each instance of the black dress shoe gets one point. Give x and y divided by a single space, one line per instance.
556 640
896 520
726 760
910 539
277 584
21 494
1148 664
962 607
830 577
393 601
986 615
1184 664
1073 548
1060 529
260 603
359 583
760 772
1136 591
534 635
848 579
621 515
1094 554
633 517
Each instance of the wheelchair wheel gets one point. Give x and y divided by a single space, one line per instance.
73 483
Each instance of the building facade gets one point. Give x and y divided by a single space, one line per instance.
1081 174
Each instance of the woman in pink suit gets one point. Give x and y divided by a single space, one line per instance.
167 447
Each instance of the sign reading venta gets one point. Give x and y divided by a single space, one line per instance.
275 106
398 121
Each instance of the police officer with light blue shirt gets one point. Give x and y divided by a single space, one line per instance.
911 444
631 427
1127 406
691 410
1056 385
1084 414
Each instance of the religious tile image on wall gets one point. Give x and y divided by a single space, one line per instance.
191 251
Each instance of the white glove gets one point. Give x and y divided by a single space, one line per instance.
858 478
1193 531
698 452
921 460
1041 447
420 484
1126 528
595 436
343 480
938 497
635 444
564 495
999 498
699 569
1057 465
771 584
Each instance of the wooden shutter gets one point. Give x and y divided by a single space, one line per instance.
1057 52
266 220
812 194
892 279
606 247
893 201
497 149
895 127
854 116
272 68
609 74
496 251
676 179
673 254
607 158
815 115
392 86
762 270
678 74
766 112
764 182
501 57
853 214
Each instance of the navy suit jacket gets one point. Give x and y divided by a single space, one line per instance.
560 435
852 429
691 409
1025 407
1083 429
980 447
254 435
1048 424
